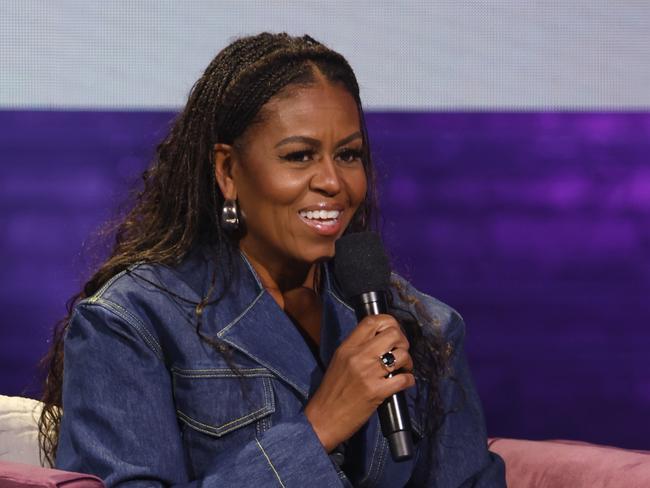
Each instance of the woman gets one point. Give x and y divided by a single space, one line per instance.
213 346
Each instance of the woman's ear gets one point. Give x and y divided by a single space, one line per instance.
223 165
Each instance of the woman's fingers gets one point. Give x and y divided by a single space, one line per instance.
396 383
387 340
380 344
357 380
395 360
370 326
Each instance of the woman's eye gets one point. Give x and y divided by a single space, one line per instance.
299 156
350 155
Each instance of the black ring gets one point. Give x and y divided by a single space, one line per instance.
387 359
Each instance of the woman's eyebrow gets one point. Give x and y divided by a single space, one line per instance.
350 138
316 142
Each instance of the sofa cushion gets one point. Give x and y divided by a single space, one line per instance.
571 464
19 430
18 475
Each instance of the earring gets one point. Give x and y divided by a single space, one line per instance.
230 216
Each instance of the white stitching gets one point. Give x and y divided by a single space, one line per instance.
251 269
261 413
240 316
128 319
264 422
378 437
270 463
340 300
98 294
276 373
133 321
222 430
222 373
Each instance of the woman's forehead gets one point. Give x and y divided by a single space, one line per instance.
308 107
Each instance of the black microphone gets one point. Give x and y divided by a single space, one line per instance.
362 270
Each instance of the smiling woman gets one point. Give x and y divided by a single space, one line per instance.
213 346
297 176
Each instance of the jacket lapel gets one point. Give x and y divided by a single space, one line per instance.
265 333
259 328
338 320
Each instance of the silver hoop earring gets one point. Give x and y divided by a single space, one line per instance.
230 216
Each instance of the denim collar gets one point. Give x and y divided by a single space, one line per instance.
263 331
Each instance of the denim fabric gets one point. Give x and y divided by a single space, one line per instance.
147 402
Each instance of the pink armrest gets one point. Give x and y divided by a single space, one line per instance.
571 464
16 475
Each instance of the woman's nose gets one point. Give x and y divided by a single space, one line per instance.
326 179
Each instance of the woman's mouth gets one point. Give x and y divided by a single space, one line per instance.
324 222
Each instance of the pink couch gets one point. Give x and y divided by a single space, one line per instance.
539 464
571 464
529 464
18 475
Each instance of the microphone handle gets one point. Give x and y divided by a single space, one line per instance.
393 412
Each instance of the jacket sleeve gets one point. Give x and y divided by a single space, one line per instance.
120 422
457 455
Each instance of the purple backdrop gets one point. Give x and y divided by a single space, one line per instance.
535 226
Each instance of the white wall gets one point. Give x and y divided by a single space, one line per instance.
438 55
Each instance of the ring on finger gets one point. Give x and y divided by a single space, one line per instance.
388 361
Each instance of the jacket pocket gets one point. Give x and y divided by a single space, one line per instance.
218 401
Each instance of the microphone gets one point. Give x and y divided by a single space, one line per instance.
362 270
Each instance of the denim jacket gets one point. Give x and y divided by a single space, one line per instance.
147 402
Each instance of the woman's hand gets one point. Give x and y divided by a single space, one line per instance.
355 382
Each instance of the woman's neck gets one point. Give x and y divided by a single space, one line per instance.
283 278
293 287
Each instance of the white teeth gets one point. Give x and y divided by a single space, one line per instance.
320 214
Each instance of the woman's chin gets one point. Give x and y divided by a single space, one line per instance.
323 253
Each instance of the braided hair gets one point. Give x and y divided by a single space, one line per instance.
179 204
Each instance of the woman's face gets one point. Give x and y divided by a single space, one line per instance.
298 175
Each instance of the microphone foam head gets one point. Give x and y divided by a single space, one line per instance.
361 264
